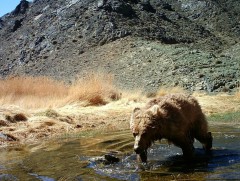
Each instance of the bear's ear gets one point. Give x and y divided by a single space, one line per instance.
154 110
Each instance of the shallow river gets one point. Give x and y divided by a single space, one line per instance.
78 159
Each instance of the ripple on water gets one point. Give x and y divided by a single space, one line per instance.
78 160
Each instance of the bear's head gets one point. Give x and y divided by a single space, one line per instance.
144 126
208 145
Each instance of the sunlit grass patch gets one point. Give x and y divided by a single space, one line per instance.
132 96
32 86
44 92
170 90
95 89
237 94
32 92
218 103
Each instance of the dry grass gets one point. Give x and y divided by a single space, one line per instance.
42 92
237 94
32 86
211 104
167 90
93 89
133 96
31 92
96 89
220 103
46 108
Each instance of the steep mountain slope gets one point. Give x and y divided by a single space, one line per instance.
144 43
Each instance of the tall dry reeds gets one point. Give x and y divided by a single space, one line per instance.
38 92
96 89
31 92
32 86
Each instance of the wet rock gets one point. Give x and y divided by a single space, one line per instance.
111 158
106 159
230 85
217 84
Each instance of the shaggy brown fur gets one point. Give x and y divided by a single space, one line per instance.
176 117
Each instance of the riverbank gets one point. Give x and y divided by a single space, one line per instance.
75 118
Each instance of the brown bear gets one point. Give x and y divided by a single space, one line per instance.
175 117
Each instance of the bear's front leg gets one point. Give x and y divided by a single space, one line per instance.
188 152
186 144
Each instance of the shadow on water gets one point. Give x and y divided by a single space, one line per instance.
80 159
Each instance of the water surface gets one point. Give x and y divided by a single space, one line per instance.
78 159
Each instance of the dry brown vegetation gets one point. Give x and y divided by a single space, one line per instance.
31 92
40 92
32 108
96 89
166 90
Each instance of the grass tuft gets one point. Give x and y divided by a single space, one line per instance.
95 89
169 90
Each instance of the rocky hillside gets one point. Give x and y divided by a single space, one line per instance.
143 43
